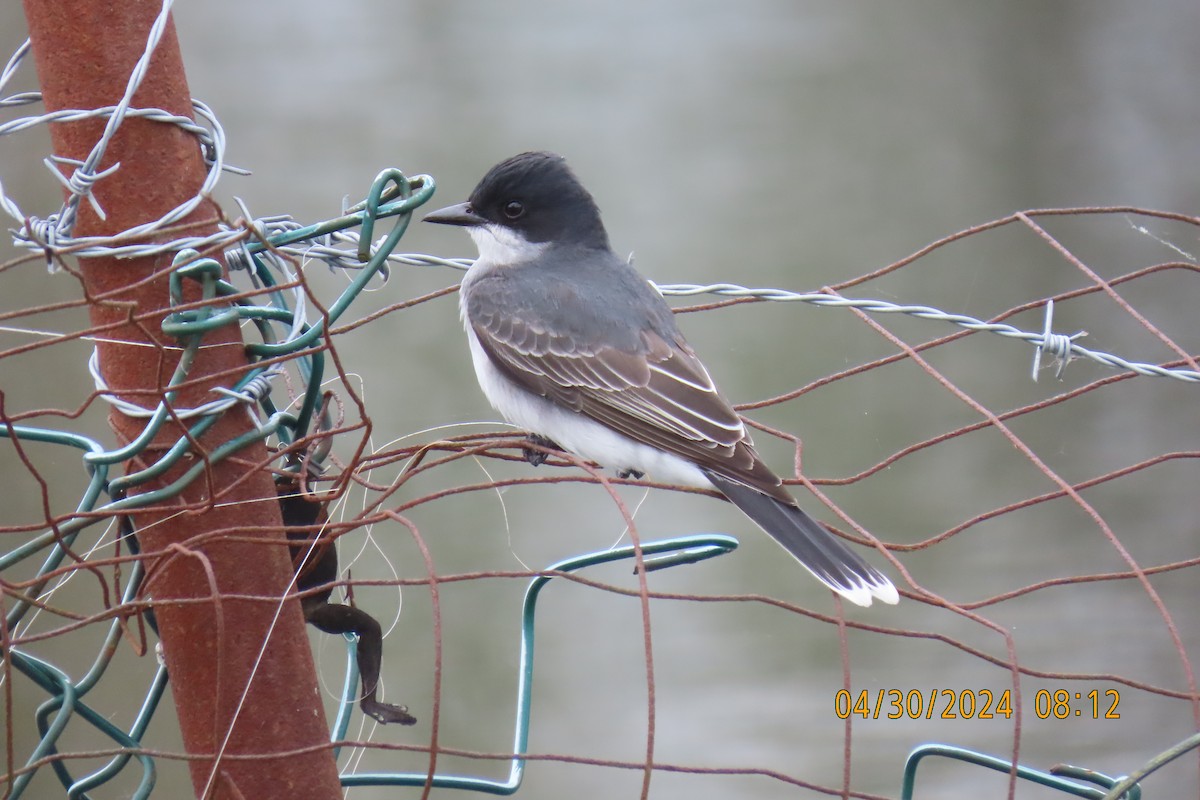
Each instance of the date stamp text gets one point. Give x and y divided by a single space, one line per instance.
973 704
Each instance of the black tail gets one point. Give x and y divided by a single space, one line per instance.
821 553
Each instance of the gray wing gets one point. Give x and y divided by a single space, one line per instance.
652 388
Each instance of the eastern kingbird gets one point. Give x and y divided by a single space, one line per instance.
571 344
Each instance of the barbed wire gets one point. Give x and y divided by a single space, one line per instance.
340 249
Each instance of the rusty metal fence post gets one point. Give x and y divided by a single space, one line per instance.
242 673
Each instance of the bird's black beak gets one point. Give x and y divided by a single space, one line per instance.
460 214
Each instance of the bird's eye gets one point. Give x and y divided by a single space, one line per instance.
514 209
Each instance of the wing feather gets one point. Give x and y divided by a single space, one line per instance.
660 394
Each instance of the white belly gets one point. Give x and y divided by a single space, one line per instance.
574 432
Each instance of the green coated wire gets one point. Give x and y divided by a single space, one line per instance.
1055 779
356 286
136 732
97 458
1129 782
421 188
218 453
119 487
313 373
349 699
61 704
391 195
191 326
149 705
66 701
58 549
182 368
194 323
681 550
57 682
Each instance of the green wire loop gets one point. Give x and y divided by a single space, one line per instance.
1056 778
697 547
388 179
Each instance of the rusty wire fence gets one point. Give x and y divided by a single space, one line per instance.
1053 613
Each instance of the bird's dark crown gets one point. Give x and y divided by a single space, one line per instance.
537 195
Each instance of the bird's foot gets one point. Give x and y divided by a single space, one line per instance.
630 473
386 712
538 457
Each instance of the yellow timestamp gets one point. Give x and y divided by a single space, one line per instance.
918 704
972 704
1061 704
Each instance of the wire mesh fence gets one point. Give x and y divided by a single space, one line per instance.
1047 582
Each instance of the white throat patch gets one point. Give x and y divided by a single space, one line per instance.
500 245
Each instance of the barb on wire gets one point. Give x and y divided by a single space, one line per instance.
54 232
1059 345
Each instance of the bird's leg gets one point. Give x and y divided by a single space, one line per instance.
336 618
317 567
630 473
532 454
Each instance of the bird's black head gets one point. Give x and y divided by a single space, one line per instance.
534 195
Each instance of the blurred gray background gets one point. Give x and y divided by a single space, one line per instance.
768 143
